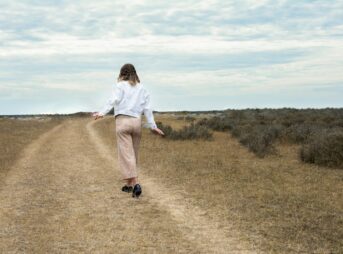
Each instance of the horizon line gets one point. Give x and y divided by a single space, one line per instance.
180 111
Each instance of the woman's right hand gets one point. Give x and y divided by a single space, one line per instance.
158 131
97 115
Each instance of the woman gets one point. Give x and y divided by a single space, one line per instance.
130 100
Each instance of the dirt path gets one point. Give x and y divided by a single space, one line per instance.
63 196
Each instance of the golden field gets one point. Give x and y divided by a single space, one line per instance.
15 134
61 193
280 203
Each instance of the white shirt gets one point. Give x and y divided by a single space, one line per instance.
130 100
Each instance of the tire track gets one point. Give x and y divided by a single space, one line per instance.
192 221
62 197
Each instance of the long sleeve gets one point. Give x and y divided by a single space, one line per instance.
148 112
115 97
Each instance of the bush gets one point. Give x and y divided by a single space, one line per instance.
189 132
300 133
217 123
318 130
190 118
324 149
187 118
165 128
259 139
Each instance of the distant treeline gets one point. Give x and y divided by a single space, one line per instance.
181 112
79 114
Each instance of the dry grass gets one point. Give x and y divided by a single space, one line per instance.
259 129
15 134
54 202
281 204
62 196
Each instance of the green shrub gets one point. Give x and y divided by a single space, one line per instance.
217 123
189 132
259 139
300 133
258 129
190 118
165 128
187 118
324 149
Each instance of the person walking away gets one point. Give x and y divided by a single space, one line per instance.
130 100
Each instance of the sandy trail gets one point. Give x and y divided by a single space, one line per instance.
63 196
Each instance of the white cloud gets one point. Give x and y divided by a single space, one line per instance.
69 36
65 44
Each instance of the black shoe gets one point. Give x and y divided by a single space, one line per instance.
126 188
137 190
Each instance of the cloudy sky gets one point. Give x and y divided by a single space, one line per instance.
63 56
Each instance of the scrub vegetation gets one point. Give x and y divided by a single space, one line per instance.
318 131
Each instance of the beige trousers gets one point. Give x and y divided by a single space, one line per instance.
128 133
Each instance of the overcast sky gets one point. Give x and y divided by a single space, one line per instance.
63 56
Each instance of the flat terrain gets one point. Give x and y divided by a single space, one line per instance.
61 194
15 134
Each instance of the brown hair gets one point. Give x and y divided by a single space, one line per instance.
128 72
